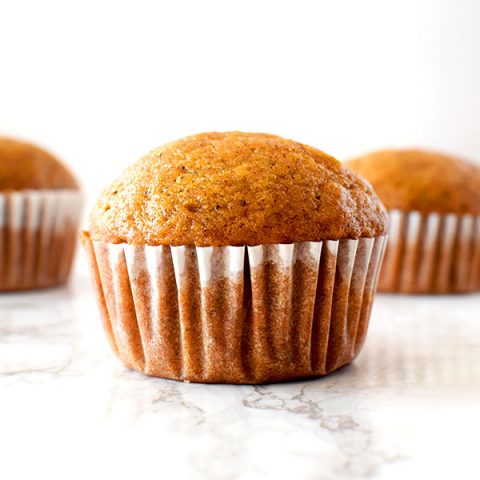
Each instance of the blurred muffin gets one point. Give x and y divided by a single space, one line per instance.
236 258
39 212
434 205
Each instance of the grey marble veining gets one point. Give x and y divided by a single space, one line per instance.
408 406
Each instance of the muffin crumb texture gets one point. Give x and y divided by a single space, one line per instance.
421 181
236 188
24 166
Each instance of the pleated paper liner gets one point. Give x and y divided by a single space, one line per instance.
236 314
431 253
38 234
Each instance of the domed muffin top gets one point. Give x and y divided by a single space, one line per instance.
421 180
235 188
25 166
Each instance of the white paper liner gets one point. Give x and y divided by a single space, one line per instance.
431 253
236 314
38 231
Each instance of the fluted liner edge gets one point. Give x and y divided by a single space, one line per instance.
431 253
38 234
236 314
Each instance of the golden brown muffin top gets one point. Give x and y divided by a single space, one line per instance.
421 180
236 188
26 166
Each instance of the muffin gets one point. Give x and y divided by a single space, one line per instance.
236 258
434 205
39 211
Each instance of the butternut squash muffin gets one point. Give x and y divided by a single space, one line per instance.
236 258
434 205
39 217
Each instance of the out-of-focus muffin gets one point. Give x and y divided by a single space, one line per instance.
238 258
39 216
434 205
24 166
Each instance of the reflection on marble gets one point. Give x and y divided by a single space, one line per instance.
408 406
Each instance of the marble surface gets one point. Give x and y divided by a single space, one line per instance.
409 407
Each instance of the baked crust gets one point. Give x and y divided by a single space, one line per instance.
235 188
25 166
421 180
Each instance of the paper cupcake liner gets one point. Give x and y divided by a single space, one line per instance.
236 314
38 232
431 253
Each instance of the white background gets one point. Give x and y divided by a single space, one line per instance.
102 82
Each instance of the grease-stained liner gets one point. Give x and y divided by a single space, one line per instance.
242 315
38 234
431 253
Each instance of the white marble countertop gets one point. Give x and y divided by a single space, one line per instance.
409 407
